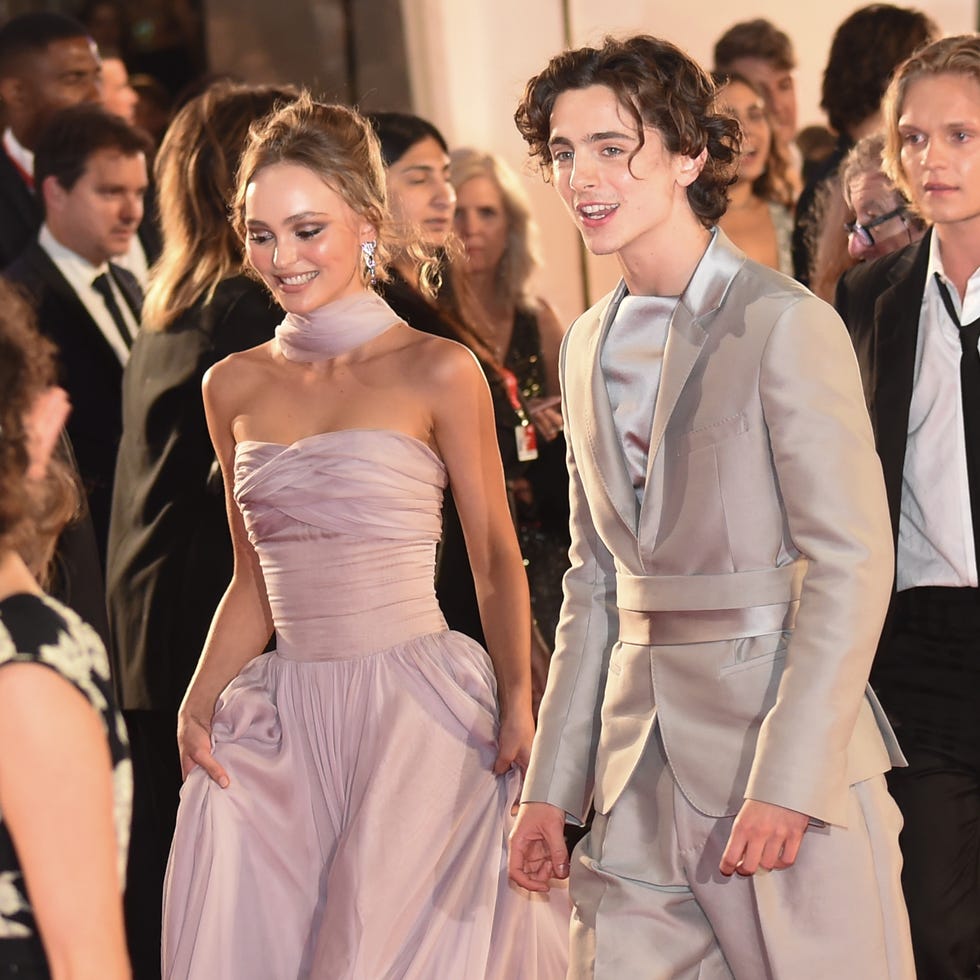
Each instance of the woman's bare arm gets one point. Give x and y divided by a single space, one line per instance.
57 801
465 437
242 623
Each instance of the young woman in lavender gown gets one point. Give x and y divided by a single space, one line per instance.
348 795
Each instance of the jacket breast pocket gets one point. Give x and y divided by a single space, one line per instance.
711 434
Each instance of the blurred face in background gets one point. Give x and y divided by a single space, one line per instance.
481 224
749 109
66 73
419 192
778 89
873 197
118 96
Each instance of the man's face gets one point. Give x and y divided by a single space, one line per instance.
98 217
939 127
778 89
872 197
118 96
65 74
621 203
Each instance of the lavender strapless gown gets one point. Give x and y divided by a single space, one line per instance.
364 833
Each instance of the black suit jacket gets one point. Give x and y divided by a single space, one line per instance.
880 303
20 212
170 553
90 372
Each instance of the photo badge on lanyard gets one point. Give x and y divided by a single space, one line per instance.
524 433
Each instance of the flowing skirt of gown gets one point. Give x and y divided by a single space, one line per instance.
363 836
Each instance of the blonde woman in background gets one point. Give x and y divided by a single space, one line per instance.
494 223
758 219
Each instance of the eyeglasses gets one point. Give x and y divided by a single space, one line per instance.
864 231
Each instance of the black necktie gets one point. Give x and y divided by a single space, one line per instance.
970 393
102 286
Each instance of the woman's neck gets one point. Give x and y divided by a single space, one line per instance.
740 196
15 577
498 312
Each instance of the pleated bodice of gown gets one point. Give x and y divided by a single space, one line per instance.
346 526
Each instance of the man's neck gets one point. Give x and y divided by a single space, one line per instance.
959 246
664 268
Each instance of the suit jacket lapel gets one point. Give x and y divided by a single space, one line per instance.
896 331
689 329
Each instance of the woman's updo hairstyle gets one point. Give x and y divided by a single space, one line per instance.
338 145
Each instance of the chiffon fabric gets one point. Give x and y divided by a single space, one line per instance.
364 833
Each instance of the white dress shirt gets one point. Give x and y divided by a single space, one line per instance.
80 273
935 528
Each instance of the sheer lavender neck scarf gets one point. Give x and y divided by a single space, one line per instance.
336 328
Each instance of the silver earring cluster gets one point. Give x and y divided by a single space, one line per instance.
367 250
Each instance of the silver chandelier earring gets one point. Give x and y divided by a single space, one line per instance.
367 250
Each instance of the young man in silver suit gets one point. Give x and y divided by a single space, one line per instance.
731 567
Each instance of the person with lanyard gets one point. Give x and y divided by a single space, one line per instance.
914 316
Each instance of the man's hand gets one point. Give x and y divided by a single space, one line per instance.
537 847
763 836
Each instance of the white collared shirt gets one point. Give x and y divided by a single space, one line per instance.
935 528
80 273
17 152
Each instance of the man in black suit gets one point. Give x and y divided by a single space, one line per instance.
91 172
47 63
914 316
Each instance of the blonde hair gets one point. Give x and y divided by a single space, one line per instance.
522 254
195 175
339 146
958 55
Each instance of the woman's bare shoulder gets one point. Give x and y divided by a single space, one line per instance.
238 372
428 359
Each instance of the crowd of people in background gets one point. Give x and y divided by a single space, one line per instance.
164 230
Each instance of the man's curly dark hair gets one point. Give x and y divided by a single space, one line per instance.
659 87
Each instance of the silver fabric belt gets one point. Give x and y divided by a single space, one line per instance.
662 610
663 628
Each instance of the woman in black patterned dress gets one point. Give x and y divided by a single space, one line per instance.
65 781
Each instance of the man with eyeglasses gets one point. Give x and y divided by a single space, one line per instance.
914 316
883 220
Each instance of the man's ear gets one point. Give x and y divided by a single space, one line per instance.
689 168
12 91
53 194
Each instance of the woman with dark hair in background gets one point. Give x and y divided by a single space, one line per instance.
170 555
429 297
758 219
65 782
